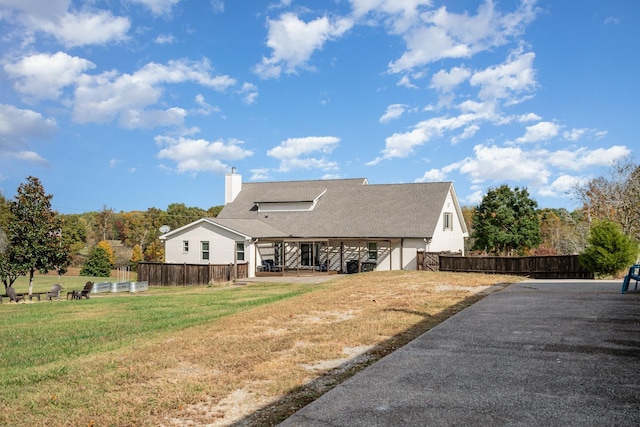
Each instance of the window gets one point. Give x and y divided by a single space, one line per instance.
205 250
185 246
447 221
373 250
239 251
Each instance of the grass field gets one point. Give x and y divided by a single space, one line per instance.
207 355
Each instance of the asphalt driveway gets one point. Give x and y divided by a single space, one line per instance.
539 353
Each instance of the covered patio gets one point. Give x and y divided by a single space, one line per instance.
320 257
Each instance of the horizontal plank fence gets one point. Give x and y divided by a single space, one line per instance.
164 274
536 267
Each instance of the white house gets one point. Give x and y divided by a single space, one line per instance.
322 227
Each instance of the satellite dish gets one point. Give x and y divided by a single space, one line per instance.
165 229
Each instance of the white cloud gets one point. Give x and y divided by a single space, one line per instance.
71 28
205 108
400 15
508 79
445 81
104 97
394 111
294 153
293 41
165 39
531 168
541 131
17 124
578 134
84 28
27 156
200 155
403 144
469 132
260 174
529 117
562 185
250 93
149 119
43 76
158 7
443 35
495 163
405 81
432 175
581 158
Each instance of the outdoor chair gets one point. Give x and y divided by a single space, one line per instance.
54 292
82 293
12 295
267 265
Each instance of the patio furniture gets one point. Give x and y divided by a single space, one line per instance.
82 293
13 297
634 274
268 265
54 292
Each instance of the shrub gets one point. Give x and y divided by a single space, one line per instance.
608 249
97 264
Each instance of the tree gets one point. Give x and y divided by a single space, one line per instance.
615 197
506 221
34 232
104 222
178 214
136 257
154 252
608 249
213 211
109 250
97 264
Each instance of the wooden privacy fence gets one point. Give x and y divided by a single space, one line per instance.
536 267
163 274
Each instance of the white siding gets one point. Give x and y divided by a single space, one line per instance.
448 239
222 246
410 248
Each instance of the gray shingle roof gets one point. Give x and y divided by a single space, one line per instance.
350 208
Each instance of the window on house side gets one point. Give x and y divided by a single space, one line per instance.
373 250
447 221
185 246
239 251
205 250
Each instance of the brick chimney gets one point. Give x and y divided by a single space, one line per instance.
232 186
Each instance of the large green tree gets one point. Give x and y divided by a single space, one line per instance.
506 221
608 249
34 232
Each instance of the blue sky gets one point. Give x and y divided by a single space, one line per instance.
141 103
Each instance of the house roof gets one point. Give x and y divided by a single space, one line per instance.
346 208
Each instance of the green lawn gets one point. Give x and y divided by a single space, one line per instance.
50 335
42 283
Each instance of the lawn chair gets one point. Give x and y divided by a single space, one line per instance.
12 295
54 292
267 265
82 293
